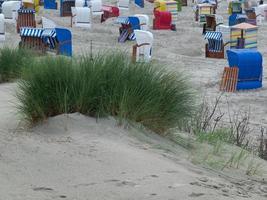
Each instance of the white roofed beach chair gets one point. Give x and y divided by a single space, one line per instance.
10 9
143 47
81 17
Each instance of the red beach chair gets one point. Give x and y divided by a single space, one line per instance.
162 20
109 11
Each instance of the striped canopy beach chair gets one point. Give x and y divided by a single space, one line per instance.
26 18
201 10
57 40
215 46
244 36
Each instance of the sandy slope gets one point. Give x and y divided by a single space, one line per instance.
77 157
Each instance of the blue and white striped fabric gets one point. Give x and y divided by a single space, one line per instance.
49 36
122 20
32 11
31 32
215 40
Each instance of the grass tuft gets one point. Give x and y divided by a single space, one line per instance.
12 61
107 85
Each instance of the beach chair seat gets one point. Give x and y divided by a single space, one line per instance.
144 21
96 7
143 47
123 4
48 23
26 18
248 74
162 20
2 28
81 17
65 7
10 10
50 4
109 11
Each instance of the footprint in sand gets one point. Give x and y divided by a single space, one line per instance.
193 194
42 189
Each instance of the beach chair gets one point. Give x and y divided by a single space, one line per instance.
139 3
162 20
123 4
143 47
259 11
2 28
48 23
26 18
65 7
235 7
144 21
235 19
168 5
252 18
128 25
50 4
215 46
243 36
212 21
10 10
109 11
40 40
81 17
96 7
202 10
249 73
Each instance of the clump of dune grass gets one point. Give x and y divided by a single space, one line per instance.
107 85
12 61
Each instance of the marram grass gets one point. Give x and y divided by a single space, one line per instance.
12 61
107 85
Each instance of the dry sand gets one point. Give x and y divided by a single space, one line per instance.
75 157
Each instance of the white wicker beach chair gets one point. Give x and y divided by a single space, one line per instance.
10 10
81 17
143 47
